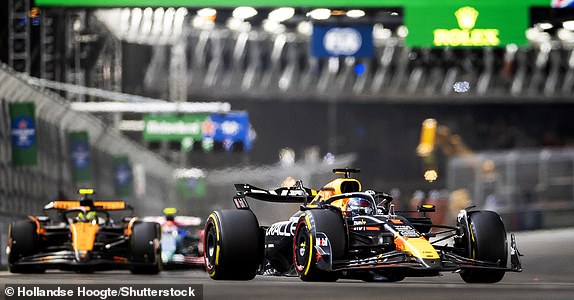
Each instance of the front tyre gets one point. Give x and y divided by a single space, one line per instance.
304 243
145 248
233 245
487 243
22 242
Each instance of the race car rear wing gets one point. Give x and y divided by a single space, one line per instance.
297 194
98 204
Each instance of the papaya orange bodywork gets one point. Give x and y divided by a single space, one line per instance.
39 229
83 235
106 205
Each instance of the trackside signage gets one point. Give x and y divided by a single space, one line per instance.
231 130
171 127
80 156
350 40
123 176
23 133
466 35
466 25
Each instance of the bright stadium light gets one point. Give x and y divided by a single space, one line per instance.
207 12
147 21
568 25
402 31
355 13
431 175
273 26
157 21
320 14
545 26
305 28
244 12
282 14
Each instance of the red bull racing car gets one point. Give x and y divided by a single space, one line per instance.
342 231
82 235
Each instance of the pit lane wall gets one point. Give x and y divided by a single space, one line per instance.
25 189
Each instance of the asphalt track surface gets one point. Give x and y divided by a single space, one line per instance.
548 264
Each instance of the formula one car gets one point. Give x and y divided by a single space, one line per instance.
341 231
81 235
180 239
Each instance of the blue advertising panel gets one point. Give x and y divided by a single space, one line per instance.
229 129
23 132
123 176
80 154
330 40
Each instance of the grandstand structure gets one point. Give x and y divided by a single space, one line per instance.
181 53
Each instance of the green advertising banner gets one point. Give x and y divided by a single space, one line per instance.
173 127
123 176
476 25
23 133
80 156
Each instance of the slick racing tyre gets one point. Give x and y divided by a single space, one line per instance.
487 243
145 248
304 243
233 245
22 242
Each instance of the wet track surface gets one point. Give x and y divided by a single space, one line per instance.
548 264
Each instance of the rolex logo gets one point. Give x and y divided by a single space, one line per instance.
466 17
466 34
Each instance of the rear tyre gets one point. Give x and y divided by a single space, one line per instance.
22 242
233 245
487 243
304 252
145 247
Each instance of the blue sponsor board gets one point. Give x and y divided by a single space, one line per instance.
23 132
80 154
229 129
330 40
123 174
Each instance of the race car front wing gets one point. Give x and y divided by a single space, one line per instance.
448 261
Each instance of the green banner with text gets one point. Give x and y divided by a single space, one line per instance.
23 134
474 25
173 127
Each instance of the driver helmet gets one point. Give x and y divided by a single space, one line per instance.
87 217
359 206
